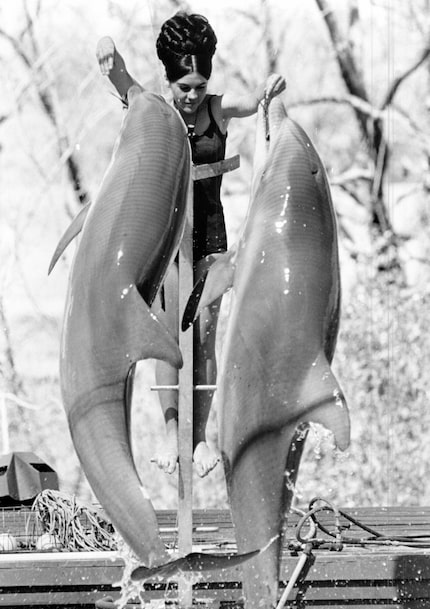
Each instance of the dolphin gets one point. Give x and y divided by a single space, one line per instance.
129 236
275 376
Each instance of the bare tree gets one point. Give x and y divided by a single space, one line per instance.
26 46
370 116
8 370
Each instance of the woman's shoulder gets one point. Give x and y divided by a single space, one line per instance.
214 103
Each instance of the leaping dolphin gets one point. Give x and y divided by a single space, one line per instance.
130 234
275 376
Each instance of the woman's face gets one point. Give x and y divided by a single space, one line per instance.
189 92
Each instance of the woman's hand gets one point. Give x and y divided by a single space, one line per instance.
105 52
275 84
113 66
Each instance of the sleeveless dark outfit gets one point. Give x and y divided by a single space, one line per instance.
209 235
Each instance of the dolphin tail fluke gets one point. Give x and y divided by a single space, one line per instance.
194 562
325 402
73 230
100 434
211 286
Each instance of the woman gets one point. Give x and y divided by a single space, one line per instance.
186 45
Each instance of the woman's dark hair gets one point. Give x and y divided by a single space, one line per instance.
186 44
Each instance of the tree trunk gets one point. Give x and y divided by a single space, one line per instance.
46 95
371 128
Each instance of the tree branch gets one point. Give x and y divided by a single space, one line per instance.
370 111
357 103
351 74
11 375
400 79
45 94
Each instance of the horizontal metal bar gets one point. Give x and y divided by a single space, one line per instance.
176 387
165 388
205 387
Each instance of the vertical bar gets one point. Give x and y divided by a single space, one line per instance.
185 408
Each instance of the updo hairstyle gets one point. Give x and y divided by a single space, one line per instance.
186 44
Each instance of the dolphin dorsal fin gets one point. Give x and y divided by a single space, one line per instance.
72 231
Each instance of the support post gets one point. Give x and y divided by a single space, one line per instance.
185 409
185 386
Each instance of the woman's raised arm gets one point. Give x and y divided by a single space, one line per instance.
113 66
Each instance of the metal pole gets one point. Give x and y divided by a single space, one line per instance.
303 559
185 411
186 382
176 387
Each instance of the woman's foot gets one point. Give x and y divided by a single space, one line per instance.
167 458
166 462
205 459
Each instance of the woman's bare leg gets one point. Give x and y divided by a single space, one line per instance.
165 374
205 372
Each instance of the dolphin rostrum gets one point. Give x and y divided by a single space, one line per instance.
275 376
130 234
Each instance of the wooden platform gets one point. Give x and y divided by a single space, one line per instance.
387 576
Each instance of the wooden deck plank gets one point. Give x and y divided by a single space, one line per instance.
354 577
348 565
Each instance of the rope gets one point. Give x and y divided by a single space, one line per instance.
76 526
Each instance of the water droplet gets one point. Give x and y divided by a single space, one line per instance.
279 225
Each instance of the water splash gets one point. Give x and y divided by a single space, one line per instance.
269 543
130 590
133 590
279 225
338 398
320 436
292 487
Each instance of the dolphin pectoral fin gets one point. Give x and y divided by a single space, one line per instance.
194 562
73 230
147 337
212 285
325 402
